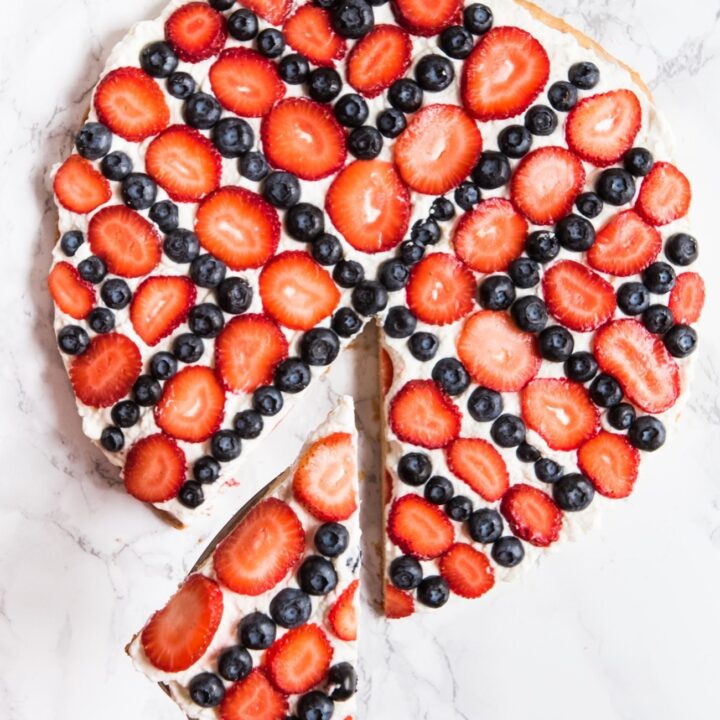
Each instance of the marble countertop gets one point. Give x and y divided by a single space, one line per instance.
622 625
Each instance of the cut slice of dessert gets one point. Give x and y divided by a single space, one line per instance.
265 625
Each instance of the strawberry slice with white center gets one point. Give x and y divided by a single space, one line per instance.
159 305
427 19
324 482
248 350
379 59
253 698
73 295
274 11
579 298
192 405
468 572
177 636
196 32
497 354
560 411
296 291
304 138
398 604
245 82
299 660
478 464
687 298
639 361
532 515
79 187
422 414
438 149
131 104
126 242
261 550
238 227
106 371
369 205
441 289
602 128
309 31
343 614
184 163
665 195
154 469
625 246
611 463
504 74
491 236
546 183
419 528
386 372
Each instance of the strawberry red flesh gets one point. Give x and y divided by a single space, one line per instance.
398 604
468 572
309 31
253 698
196 31
611 463
687 298
343 614
274 11
425 18
478 464
73 295
79 187
531 515
419 528
161 304
154 469
665 195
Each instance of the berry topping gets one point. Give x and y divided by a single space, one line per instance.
665 195
178 635
398 604
546 184
419 528
352 18
681 249
206 690
79 187
467 571
438 149
531 515
303 137
369 205
477 463
421 414
160 305
310 32
72 295
154 469
611 463
427 19
687 298
504 74
254 698
274 11
261 550
196 32
573 493
343 614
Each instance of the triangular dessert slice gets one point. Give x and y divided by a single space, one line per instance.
265 626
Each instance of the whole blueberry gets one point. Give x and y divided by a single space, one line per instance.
575 233
411 252
365 142
515 141
400 322
345 322
317 576
616 186
658 319
458 508
414 468
93 141
605 391
125 414
622 416
292 375
589 204
304 222
201 111
206 320
467 195
232 137
352 18
524 272
547 470
316 705
181 85
248 424
253 166
116 165
291 608
327 249
394 274
391 122
541 120
166 215
324 84
319 346
281 189
351 110
348 273
256 631
638 161
434 72
573 493
369 297
235 663
101 320
530 313
92 269
243 24
556 343
267 401
584 75
426 232
181 246
563 96
485 525
187 348
146 391
158 59
206 470
405 572
442 209
438 490
484 404
542 246
527 453
423 346
456 42
659 278
450 374
163 365
112 439
492 170
581 367
681 249
343 680
433 591
234 295
71 242
633 298
206 690
508 431
507 551
332 539
116 293
294 69
139 191
647 433
681 341
405 95
478 18
270 43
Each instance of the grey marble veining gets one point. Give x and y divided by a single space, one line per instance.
622 625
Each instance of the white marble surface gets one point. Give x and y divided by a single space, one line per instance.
623 625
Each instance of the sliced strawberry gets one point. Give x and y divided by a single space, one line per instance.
154 469
106 371
127 243
184 163
532 515
438 149
687 298
131 104
419 528
274 11
496 353
386 372
602 128
160 304
579 298
639 361
398 604
245 82
441 290
192 405
424 18
253 698
304 138
503 74
625 246
379 59
468 572
177 636
611 463
665 195
261 550
296 291
248 350
325 482
73 295
196 32
421 414
369 205
238 227
477 463
546 183
309 31
560 411
491 236
79 187
343 614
